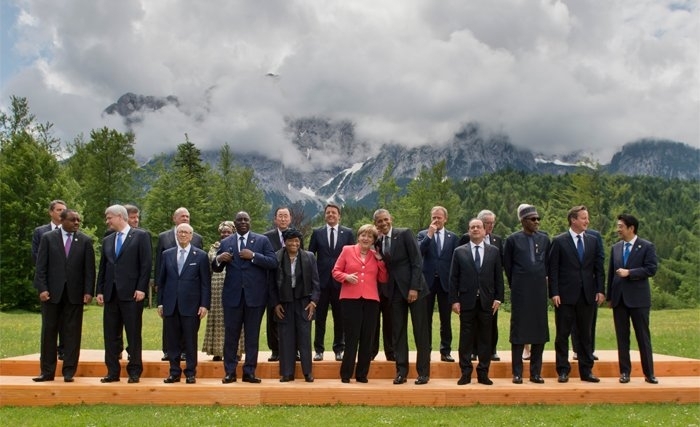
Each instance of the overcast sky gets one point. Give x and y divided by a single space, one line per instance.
555 76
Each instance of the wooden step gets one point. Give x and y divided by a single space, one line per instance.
92 365
21 391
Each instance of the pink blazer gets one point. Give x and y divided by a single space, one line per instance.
370 272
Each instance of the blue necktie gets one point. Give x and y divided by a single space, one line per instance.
181 261
119 243
241 246
579 247
626 254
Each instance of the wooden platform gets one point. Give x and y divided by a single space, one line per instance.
679 381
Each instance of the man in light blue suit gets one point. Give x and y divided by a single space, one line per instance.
247 257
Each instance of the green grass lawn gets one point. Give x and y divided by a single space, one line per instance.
674 332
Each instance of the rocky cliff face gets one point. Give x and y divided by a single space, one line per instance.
339 166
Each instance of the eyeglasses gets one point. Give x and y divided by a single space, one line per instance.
534 219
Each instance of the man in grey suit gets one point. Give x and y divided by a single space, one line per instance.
399 249
632 262
122 283
326 243
436 245
167 240
476 293
575 287
184 299
65 280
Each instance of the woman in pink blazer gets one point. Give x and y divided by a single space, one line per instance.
359 269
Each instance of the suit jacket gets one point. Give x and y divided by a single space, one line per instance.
251 275
188 290
634 290
57 273
325 256
567 275
36 238
130 271
167 240
274 237
437 264
310 289
403 263
373 274
466 281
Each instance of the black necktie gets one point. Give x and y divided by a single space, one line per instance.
332 238
241 246
477 258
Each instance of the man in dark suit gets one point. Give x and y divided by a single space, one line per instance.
400 251
326 243
167 240
184 299
476 293
436 245
65 280
122 283
594 321
55 209
575 287
632 262
247 257
283 218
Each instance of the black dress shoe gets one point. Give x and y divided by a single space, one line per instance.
165 357
298 357
339 356
362 380
473 357
563 378
309 378
345 380
172 379
247 378
624 378
495 357
286 378
191 380
651 380
422 379
537 379
595 357
41 378
60 355
485 381
517 379
109 379
133 379
318 357
68 379
391 358
464 380
400 379
217 359
183 356
229 378
274 357
590 378
447 358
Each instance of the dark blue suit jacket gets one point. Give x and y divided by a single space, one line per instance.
434 263
634 290
567 275
167 240
188 290
129 272
249 275
325 256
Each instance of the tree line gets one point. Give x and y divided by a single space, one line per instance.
91 173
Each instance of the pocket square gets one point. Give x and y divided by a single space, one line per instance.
192 263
